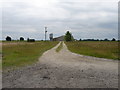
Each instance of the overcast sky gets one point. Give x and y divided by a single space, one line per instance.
96 19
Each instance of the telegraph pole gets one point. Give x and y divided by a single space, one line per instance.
45 32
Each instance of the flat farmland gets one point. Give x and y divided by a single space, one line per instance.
15 54
64 69
102 49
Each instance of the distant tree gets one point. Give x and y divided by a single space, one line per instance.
30 40
8 38
101 40
21 39
97 40
68 36
106 39
80 40
27 39
113 39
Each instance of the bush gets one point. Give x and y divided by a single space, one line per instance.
113 39
30 40
8 38
21 39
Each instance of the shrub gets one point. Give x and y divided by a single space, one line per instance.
8 38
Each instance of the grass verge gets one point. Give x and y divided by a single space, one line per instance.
59 47
102 49
25 53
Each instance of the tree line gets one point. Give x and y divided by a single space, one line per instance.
98 39
69 37
8 38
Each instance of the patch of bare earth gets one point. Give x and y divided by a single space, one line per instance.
64 69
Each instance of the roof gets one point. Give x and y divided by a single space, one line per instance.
59 36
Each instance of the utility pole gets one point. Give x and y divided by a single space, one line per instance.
45 32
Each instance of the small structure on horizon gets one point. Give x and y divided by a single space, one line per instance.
45 33
51 37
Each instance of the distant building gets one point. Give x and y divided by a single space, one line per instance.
61 38
51 37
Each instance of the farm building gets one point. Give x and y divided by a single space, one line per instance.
61 38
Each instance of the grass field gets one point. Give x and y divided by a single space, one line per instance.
59 47
102 49
0 55
23 53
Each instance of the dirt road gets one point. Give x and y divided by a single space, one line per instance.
64 69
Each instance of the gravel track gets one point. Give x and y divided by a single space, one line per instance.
64 69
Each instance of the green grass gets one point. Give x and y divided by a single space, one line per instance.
59 47
24 53
102 49
0 55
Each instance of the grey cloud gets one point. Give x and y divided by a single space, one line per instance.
94 25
